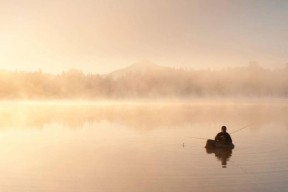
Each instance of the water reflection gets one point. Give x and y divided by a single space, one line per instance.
137 147
221 154
140 116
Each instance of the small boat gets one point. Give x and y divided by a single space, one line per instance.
212 144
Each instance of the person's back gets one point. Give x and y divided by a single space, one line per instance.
223 137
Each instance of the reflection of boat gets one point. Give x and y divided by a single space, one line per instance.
212 144
221 151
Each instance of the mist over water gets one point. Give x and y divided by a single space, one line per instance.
147 80
148 146
73 118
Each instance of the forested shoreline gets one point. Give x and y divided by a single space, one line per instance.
250 81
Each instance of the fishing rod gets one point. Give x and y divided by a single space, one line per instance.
249 125
202 138
235 131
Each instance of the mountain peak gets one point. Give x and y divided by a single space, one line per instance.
144 65
139 67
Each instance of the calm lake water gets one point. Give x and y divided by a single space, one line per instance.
143 147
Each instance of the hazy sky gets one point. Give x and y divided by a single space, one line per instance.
102 35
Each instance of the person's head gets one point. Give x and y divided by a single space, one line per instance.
223 129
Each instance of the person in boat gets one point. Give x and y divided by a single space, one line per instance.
223 137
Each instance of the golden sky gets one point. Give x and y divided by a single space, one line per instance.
103 35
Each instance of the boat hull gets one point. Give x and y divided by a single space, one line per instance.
212 144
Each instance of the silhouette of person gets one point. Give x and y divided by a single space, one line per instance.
223 137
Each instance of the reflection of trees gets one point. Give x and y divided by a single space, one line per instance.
140 116
167 82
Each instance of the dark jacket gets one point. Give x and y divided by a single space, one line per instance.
223 138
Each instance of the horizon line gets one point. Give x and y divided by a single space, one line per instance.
176 67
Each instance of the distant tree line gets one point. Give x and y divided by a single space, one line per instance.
253 80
